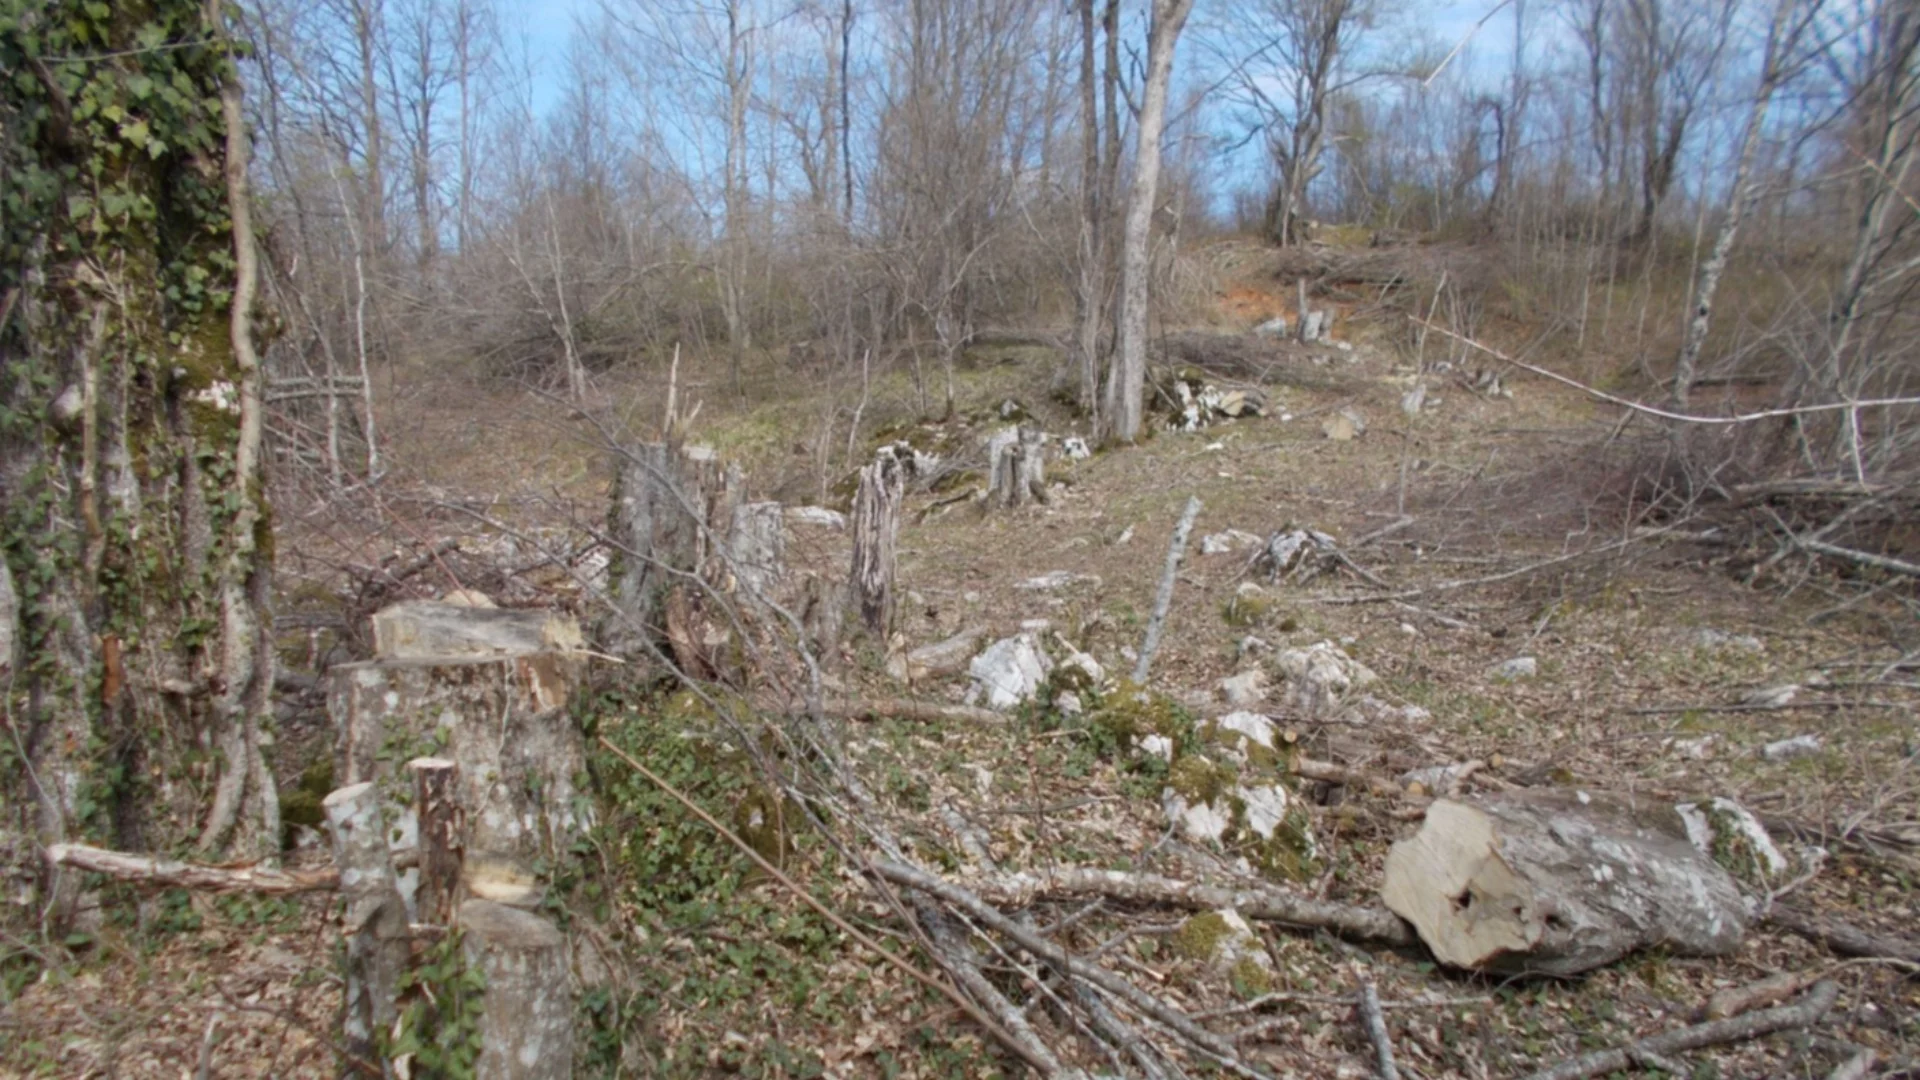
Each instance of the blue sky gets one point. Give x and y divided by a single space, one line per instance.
547 27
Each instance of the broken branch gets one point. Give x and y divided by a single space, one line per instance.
172 874
1806 1011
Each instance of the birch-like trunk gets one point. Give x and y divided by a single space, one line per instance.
1126 387
1739 197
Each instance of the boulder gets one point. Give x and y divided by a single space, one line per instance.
1249 687
1321 678
1009 672
1229 947
947 657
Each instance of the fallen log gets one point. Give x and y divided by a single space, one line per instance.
1805 1012
1559 882
172 874
1256 902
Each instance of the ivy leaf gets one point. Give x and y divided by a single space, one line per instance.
140 86
136 134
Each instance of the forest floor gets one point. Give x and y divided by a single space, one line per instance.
1506 526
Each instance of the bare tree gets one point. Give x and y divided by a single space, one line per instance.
1125 387
1785 29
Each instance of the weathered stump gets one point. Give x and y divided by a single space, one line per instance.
375 925
671 515
1559 882
504 724
876 535
526 1012
1017 467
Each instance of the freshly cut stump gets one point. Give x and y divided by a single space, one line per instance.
526 1015
1559 882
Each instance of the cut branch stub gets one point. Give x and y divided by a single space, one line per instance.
437 806
1558 882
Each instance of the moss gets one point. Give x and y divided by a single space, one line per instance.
1129 713
1200 781
300 804
1200 935
1290 854
1245 611
1249 978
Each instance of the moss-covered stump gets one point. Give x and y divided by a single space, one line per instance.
504 722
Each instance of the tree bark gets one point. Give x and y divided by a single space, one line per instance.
132 518
375 925
671 515
1126 386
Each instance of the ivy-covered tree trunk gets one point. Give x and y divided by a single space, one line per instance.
134 521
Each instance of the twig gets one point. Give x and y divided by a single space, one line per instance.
1164 598
207 1042
1878 562
1376 1026
1806 1012
947 990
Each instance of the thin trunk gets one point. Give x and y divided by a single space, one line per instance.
1738 200
1124 392
1087 294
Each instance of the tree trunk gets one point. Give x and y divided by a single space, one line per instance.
132 520
1738 199
1126 386
1016 467
1559 882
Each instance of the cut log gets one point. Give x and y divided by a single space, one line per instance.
672 512
504 723
375 925
436 630
1559 882
526 1013
876 535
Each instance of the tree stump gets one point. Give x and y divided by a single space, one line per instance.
1017 467
1559 882
876 535
376 917
526 1013
757 547
503 722
671 516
